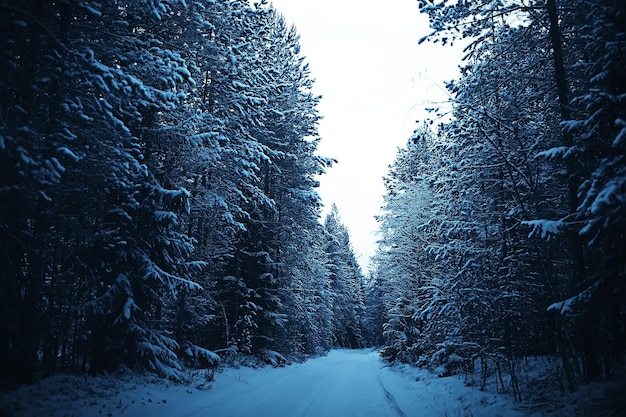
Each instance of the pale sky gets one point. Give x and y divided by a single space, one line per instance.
375 81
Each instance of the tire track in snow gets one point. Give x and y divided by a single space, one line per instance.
390 399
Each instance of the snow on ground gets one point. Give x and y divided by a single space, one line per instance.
344 383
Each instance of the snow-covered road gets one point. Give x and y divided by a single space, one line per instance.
344 383
350 383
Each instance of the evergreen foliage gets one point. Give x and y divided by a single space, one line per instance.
500 230
157 188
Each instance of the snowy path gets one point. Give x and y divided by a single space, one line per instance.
346 383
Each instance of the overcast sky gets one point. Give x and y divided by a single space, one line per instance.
376 81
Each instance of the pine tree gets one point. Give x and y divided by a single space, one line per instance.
346 283
532 144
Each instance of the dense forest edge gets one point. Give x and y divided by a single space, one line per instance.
158 204
502 232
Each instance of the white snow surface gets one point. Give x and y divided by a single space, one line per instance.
350 383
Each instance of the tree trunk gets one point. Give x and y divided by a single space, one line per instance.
576 251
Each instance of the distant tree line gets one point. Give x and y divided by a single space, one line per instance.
157 191
503 231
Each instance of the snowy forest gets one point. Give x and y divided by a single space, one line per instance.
503 229
158 200
158 203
